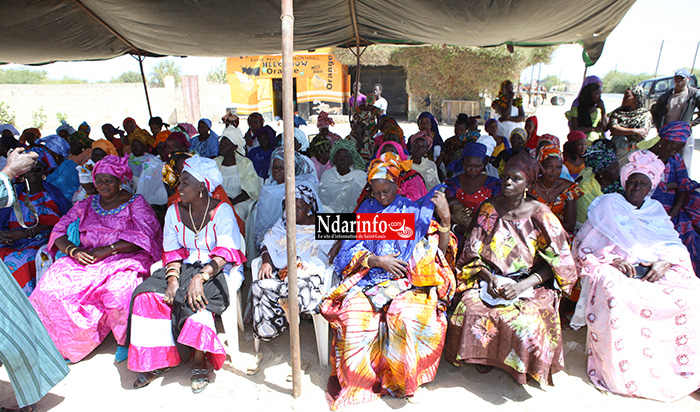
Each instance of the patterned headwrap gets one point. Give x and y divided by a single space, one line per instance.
204 170
547 151
638 93
232 118
599 156
105 145
56 144
395 129
129 119
84 127
324 120
501 99
575 135
677 131
371 99
388 166
115 166
646 163
425 134
320 144
305 193
357 161
518 131
527 165
180 138
162 137
65 126
32 130
171 177
301 166
83 138
550 138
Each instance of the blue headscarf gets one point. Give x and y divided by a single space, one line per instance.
471 149
56 144
422 209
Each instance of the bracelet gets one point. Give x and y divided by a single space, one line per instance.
365 262
31 232
169 275
70 251
443 229
174 268
205 276
539 278
114 249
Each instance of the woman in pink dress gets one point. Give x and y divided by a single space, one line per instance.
642 310
111 239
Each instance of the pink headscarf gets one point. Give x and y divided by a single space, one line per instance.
575 135
115 166
400 150
324 120
646 163
425 134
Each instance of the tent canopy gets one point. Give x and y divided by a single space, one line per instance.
44 31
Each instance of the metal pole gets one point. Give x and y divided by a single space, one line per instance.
695 58
659 59
289 185
145 88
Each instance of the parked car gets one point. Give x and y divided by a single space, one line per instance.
654 88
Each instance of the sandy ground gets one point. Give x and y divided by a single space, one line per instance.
98 383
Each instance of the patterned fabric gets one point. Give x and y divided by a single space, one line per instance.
646 163
491 188
366 114
569 194
396 349
638 118
677 131
642 337
501 100
599 156
549 150
687 222
388 166
324 120
523 338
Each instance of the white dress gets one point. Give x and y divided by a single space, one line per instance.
340 193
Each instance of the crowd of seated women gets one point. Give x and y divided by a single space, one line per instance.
147 234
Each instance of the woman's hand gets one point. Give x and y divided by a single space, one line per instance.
512 290
100 253
657 271
265 271
492 286
83 257
641 132
441 206
195 294
390 263
173 284
625 267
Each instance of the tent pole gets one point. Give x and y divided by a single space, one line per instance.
289 188
695 58
145 88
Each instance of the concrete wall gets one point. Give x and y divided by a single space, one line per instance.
111 103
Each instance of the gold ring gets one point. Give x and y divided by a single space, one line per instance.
198 298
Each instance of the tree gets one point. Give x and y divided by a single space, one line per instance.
39 117
164 68
61 116
6 116
127 77
217 74
618 82
22 76
550 81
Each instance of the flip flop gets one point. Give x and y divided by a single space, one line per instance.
199 376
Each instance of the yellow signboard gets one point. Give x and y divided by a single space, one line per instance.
321 83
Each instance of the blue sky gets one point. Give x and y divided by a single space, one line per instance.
632 47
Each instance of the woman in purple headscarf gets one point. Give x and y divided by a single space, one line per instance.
111 239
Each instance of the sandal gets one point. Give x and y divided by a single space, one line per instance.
146 378
484 368
199 377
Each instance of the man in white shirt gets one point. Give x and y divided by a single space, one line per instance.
381 102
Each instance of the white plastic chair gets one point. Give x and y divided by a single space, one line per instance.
320 323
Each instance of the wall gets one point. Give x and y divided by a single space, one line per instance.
111 103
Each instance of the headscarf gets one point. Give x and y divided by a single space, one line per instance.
127 120
259 117
588 80
115 166
488 122
9 142
518 131
206 121
550 138
531 143
304 192
162 137
320 144
433 127
230 117
82 137
171 177
33 130
639 118
85 128
646 163
65 126
9 127
677 131
527 165
180 138
401 151
424 135
324 120
388 166
357 161
204 170
575 135
235 136
501 99
45 158
547 151
471 149
185 128
56 144
371 99
105 145
299 121
301 166
599 156
300 137
395 129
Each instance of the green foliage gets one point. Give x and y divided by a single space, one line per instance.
618 82
127 77
550 81
218 74
164 68
6 115
374 55
28 76
39 117
61 116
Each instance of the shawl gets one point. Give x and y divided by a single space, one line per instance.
639 118
340 193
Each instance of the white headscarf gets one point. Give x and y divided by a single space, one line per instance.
300 137
234 135
204 170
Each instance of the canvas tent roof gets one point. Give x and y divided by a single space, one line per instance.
43 31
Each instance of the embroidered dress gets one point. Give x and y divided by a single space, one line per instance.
394 345
523 338
491 188
162 335
80 305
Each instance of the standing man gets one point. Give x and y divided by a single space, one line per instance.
381 102
679 104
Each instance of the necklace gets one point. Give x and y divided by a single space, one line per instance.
546 189
204 218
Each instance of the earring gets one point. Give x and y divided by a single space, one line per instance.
200 195
310 213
